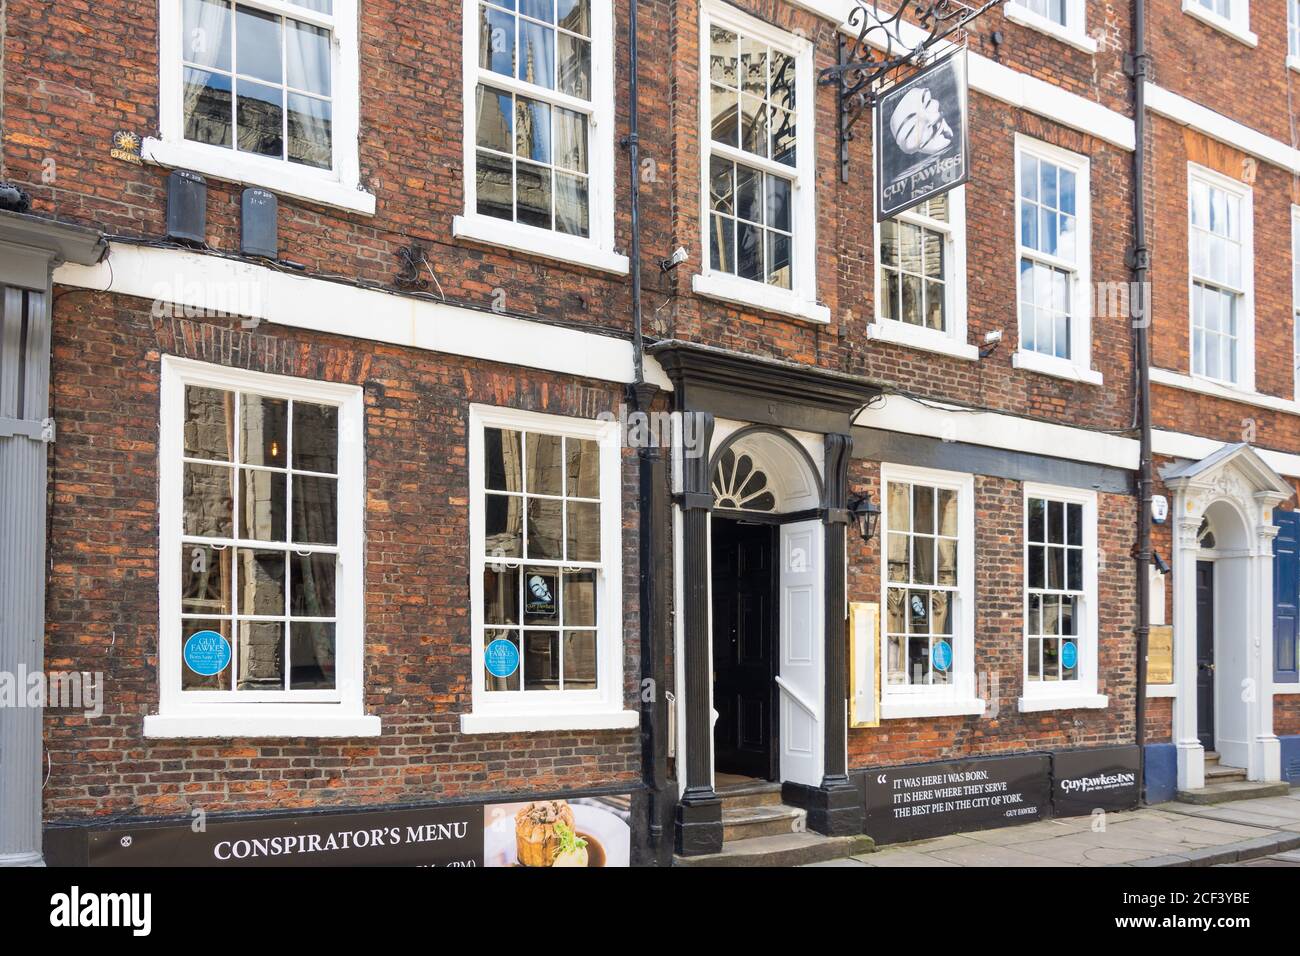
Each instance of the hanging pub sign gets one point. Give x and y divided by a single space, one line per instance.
922 147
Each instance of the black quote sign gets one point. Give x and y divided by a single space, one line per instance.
434 836
1100 779
922 146
927 800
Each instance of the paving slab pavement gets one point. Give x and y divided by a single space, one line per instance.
1264 831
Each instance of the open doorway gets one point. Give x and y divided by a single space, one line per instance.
745 591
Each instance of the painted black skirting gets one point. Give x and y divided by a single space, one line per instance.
873 444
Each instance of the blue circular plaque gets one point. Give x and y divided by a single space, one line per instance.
1069 655
941 656
207 653
501 658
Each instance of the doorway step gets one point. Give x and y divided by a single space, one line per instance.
759 830
1225 784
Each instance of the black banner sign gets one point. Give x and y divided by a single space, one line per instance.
434 836
922 145
1100 779
927 800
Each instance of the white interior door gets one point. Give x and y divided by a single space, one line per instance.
801 676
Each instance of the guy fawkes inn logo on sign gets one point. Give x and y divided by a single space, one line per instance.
921 137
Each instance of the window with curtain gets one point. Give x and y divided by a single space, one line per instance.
259 549
1218 288
258 78
1052 247
533 113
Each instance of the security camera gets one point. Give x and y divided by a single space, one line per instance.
673 261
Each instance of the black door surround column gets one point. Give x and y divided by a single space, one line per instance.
699 814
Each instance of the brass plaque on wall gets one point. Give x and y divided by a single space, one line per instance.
864 657
1160 655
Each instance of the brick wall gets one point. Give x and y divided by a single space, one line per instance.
103 587
999 642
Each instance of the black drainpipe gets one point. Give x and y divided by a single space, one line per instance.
1140 63
650 479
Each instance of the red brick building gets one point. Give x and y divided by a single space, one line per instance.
376 426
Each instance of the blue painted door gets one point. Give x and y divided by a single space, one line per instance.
1286 595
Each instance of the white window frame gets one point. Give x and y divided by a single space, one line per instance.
595 251
1072 32
1080 693
934 700
339 187
336 714
953 340
1295 300
1235 25
800 300
1246 318
513 711
1078 367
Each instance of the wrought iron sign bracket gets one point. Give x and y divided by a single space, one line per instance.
878 54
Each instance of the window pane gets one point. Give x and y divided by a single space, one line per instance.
947 556
540 9
259 112
749 251
1037 565
579 598
315 437
263 430
494 186
502 466
1056 568
261 582
500 595
575 66
207 34
582 467
536 54
312 655
900 568
533 200
946 500
899 511
258 45
784 148
922 509
207 107
307 51
545 529
310 131
207 423
583 531
315 510
207 496
725 111
205 579
749 194
190 680
541 660
1037 524
778 259
722 245
262 505
579 660
778 203
545 466
503 526
496 41
570 140
532 129
311 585
260 655
722 57
495 121
575 15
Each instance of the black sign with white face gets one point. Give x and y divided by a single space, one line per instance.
928 800
921 137
1088 780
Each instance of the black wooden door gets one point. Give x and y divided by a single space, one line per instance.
744 648
1205 653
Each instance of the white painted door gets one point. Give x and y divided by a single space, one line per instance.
801 676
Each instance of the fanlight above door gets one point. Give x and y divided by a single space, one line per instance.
738 484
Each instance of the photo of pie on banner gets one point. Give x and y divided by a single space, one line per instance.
556 833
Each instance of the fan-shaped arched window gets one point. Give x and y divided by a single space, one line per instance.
738 484
1205 534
